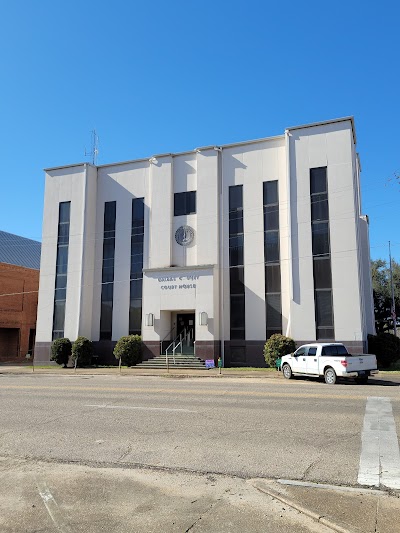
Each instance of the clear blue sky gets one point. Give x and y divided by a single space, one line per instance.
165 76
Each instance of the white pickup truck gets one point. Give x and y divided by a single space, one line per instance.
329 360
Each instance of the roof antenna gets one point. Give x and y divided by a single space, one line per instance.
95 148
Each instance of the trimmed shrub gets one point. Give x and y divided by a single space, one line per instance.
82 349
61 350
129 350
386 347
277 346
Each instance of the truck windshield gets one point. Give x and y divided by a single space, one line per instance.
338 349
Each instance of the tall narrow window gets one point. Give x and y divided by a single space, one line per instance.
137 236
272 258
60 292
321 250
107 279
236 262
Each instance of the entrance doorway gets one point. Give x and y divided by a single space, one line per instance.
185 326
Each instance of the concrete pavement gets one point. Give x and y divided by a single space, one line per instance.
122 453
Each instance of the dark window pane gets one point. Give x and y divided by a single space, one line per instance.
273 306
184 203
135 315
323 309
191 202
237 334
322 273
236 256
109 235
236 225
61 281
62 260
271 217
108 249
272 278
319 207
318 180
59 315
270 192
106 319
271 244
136 247
235 197
236 278
60 294
63 233
179 204
64 212
137 238
136 263
237 311
137 227
236 241
325 334
320 238
312 350
107 291
58 335
109 216
137 209
107 275
136 288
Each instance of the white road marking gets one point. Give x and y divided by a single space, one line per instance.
52 508
380 454
141 408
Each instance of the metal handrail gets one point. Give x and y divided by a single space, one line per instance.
186 336
173 342
175 346
167 335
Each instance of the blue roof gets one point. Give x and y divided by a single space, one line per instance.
16 250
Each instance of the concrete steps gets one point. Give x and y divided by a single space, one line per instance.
181 361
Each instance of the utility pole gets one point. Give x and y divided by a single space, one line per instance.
393 313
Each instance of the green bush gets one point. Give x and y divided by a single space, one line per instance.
82 349
60 351
129 350
277 346
386 347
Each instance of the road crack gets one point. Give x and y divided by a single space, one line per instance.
203 514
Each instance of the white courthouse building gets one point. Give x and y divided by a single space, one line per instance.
222 245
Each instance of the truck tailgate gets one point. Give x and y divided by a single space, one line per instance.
355 363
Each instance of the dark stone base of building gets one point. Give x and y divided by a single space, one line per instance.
251 353
237 353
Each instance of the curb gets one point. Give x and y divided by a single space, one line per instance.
263 487
105 372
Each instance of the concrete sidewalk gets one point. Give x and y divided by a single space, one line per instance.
173 372
45 496
342 509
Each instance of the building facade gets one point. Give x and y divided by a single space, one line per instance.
19 283
221 246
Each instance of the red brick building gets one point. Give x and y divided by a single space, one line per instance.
19 284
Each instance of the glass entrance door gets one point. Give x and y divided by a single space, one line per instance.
186 328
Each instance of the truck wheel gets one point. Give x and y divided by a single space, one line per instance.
287 371
330 376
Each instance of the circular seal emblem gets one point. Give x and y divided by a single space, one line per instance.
184 235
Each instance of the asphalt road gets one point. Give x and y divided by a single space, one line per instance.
299 430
